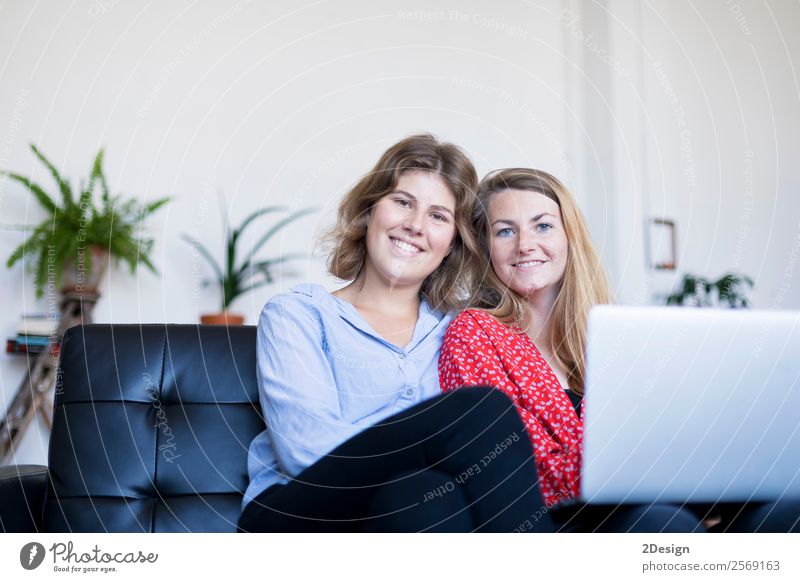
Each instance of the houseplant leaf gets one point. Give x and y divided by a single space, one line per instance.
153 206
97 170
63 185
37 191
278 226
74 227
233 279
258 213
206 255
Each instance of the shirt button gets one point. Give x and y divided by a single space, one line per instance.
410 392
402 356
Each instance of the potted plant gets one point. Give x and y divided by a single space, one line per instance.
730 290
71 246
240 275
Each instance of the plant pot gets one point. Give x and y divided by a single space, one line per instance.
79 279
223 318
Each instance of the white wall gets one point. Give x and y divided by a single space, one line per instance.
741 95
279 102
290 102
709 135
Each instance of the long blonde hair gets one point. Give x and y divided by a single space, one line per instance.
448 286
584 284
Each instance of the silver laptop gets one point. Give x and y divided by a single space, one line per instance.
687 404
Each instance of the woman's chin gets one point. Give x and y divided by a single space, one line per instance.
524 288
404 280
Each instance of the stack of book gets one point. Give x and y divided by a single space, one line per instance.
34 333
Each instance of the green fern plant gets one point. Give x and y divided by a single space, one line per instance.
730 289
239 275
78 222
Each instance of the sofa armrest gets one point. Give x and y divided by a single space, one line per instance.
22 491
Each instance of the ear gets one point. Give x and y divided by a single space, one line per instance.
365 218
450 249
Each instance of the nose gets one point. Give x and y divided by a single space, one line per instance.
527 242
413 222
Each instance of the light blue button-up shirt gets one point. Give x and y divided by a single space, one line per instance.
325 375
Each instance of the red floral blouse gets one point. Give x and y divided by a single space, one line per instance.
479 350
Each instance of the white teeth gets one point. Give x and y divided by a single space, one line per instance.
405 246
528 264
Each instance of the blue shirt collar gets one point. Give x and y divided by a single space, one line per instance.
427 318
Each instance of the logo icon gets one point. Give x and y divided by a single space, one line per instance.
31 555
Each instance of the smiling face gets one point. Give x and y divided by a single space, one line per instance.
527 243
410 230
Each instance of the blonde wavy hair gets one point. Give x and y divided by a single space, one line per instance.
447 288
584 284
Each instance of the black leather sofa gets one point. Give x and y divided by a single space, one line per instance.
151 429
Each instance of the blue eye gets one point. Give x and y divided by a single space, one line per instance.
544 227
402 203
505 232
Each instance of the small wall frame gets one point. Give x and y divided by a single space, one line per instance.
663 251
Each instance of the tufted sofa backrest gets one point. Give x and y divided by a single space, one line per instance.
151 428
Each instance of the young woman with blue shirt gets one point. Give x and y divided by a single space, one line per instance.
359 437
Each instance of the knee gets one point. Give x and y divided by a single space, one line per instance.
655 518
776 517
483 409
252 518
490 401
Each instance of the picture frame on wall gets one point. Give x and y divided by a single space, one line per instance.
663 248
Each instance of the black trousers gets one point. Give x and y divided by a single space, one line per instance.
779 516
643 518
457 463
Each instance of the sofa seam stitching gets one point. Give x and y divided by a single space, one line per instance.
155 427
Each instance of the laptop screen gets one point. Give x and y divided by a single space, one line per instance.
686 404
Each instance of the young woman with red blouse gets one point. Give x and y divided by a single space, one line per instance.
526 333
